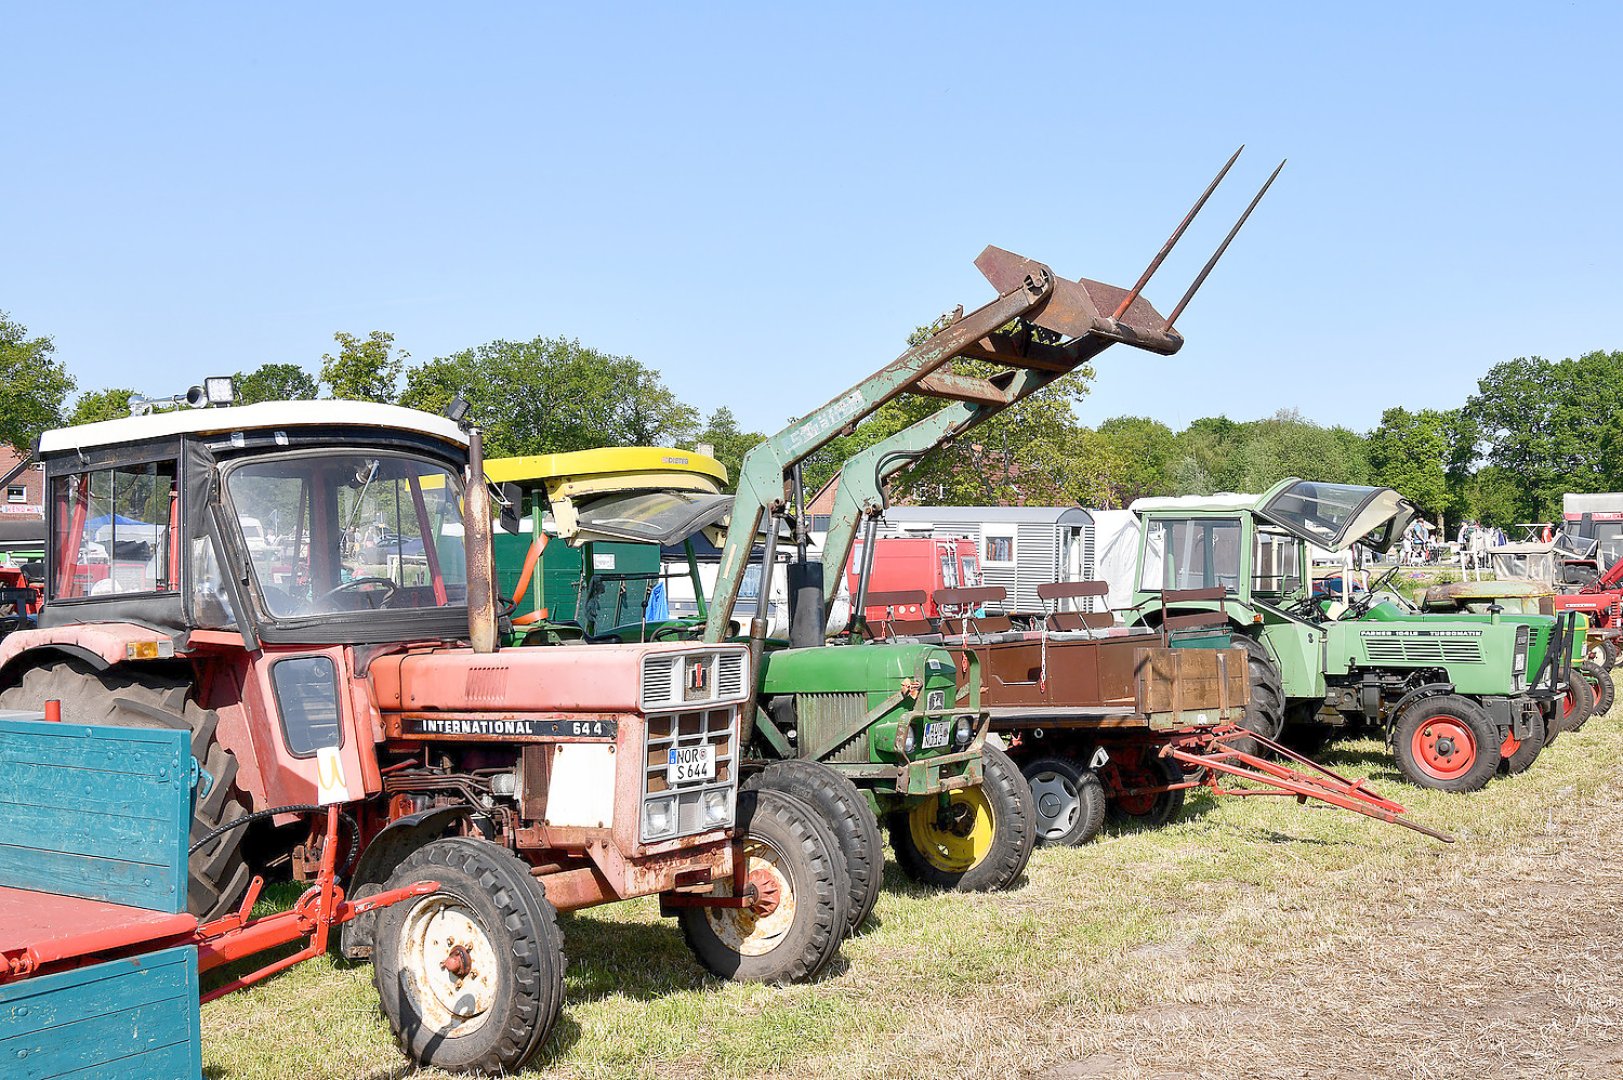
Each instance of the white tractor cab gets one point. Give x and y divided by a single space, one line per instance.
1454 694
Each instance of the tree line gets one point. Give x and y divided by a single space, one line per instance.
1533 430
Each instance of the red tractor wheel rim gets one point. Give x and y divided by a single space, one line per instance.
1444 747
1569 703
1509 747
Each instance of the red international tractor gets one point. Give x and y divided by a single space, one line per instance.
342 651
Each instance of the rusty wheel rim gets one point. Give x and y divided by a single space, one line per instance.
1444 747
762 927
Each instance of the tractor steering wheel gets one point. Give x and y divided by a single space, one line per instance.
361 583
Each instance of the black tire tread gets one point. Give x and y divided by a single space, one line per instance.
845 811
1607 692
538 985
1090 794
799 828
1485 731
1014 837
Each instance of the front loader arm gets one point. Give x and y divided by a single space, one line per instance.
765 469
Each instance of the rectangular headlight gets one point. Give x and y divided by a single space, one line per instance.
659 818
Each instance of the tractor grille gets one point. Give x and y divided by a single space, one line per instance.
674 680
820 716
667 731
1423 651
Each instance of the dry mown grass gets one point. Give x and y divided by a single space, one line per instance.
1250 938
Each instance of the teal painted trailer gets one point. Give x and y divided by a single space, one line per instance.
97 822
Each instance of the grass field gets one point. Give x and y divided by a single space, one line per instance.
1249 938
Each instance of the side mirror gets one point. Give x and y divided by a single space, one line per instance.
512 497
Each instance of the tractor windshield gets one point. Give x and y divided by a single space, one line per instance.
344 532
1336 516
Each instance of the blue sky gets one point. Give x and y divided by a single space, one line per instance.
763 201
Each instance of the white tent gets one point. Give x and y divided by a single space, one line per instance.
1115 553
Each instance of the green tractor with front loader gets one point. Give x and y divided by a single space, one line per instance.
1458 698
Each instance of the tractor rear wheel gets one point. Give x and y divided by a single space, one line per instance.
845 811
1600 687
471 977
121 697
1574 708
979 842
1265 712
798 919
1133 767
1515 755
1446 742
1068 800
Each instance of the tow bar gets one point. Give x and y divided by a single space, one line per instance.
1214 751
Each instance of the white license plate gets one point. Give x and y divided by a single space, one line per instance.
686 764
936 734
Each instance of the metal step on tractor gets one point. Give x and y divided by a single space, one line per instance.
350 657
1458 698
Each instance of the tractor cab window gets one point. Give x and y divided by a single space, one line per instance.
344 532
113 532
1276 566
1194 553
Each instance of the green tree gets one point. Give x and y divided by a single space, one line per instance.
94 405
1142 453
1554 425
728 444
365 369
553 394
1410 452
277 382
34 385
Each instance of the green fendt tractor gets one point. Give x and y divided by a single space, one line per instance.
1457 697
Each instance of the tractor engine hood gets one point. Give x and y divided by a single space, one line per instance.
1337 516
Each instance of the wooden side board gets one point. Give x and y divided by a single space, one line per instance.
97 812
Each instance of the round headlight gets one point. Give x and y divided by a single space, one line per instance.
907 739
963 731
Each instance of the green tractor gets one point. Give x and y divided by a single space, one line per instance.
1458 698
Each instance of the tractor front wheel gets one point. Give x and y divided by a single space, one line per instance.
1573 708
118 697
471 977
1600 687
1068 800
1515 755
979 841
1447 743
847 816
1604 654
798 917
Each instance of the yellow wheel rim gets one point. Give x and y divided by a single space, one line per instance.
967 837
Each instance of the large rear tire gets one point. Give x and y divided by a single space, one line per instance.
122 697
847 816
795 927
1447 743
1265 712
471 977
980 842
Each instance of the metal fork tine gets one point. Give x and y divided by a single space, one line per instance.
1218 254
1177 234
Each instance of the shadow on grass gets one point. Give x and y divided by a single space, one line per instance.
638 960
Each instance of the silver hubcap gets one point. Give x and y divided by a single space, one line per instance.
1059 804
